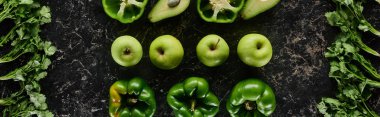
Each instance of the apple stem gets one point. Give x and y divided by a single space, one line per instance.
214 47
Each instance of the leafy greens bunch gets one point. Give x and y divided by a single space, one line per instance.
23 37
354 74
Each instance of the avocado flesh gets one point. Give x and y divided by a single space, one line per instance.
255 7
162 10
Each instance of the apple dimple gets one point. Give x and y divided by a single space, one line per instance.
161 51
127 51
214 46
259 45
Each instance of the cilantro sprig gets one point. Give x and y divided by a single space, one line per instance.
28 16
354 74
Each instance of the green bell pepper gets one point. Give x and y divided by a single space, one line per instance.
219 11
251 98
131 98
192 98
126 11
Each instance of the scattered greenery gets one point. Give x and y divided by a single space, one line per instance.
354 74
28 16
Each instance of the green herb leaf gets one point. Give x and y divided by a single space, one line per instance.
353 73
49 49
26 2
28 16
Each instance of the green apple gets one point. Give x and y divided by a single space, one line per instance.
166 52
212 50
126 51
255 50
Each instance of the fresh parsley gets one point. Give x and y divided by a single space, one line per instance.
28 16
354 74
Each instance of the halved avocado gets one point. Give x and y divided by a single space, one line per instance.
162 10
255 7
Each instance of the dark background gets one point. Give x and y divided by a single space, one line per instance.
83 69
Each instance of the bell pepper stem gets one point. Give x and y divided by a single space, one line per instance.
220 5
215 14
249 105
125 3
120 13
193 103
134 2
132 101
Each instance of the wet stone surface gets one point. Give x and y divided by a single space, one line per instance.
83 69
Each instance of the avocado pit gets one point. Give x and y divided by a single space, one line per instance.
173 3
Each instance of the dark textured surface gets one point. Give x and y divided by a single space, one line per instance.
83 69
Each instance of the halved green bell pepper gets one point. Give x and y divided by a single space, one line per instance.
251 98
192 98
219 11
126 11
131 98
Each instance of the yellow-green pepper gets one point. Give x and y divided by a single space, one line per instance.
131 98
